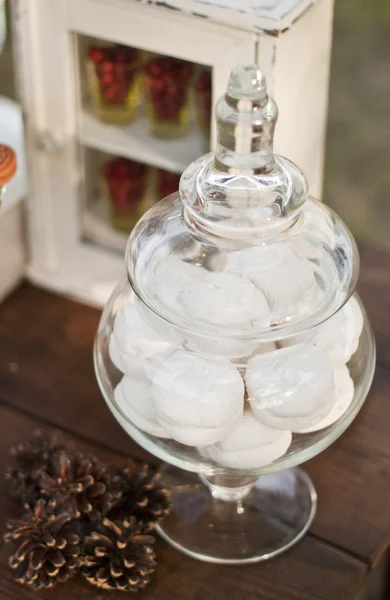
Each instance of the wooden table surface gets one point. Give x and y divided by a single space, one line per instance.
47 380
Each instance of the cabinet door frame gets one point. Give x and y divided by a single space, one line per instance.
49 90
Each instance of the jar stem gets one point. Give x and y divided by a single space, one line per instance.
228 489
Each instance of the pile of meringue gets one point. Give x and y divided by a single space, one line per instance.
238 402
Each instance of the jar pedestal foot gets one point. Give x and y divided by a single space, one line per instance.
255 522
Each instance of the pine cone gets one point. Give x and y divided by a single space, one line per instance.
81 484
28 461
141 493
119 556
47 546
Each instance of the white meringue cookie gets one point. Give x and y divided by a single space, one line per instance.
168 277
130 363
116 355
224 347
265 347
161 328
225 300
198 398
288 282
292 388
344 392
250 445
300 338
359 322
196 435
133 397
250 261
136 366
135 336
339 335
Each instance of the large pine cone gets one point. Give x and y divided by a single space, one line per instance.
141 493
28 461
47 546
81 484
119 556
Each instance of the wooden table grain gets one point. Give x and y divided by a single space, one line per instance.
47 380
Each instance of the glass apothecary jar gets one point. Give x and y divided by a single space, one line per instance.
236 349
114 73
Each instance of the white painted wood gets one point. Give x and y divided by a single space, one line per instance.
264 8
295 61
97 227
48 99
299 80
134 141
60 257
142 26
92 282
251 15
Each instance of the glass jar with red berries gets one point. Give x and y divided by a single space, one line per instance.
167 86
203 101
114 81
166 183
126 187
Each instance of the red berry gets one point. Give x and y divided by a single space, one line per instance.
107 78
95 54
125 54
126 181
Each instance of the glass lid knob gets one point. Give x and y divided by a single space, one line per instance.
244 190
246 118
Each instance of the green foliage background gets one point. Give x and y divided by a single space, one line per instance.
357 175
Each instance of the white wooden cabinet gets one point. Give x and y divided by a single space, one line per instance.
73 249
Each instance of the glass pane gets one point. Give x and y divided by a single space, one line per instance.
143 119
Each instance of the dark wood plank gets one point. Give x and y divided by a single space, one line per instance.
46 365
352 478
311 570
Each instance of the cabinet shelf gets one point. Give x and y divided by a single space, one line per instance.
98 229
135 142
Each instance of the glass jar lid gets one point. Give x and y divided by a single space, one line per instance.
242 251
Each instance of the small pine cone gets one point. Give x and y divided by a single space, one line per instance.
81 484
28 461
142 494
119 556
46 546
